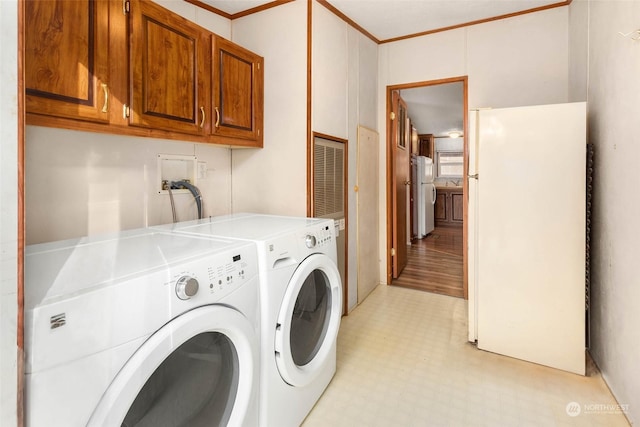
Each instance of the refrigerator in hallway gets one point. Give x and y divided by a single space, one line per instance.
426 197
526 234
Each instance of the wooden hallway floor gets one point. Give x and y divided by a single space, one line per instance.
435 263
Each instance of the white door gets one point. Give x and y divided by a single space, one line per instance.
530 253
367 225
200 369
308 320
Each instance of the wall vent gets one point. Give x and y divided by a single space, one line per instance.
328 178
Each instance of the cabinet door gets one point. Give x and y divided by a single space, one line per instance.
426 145
66 58
238 92
169 71
457 209
440 209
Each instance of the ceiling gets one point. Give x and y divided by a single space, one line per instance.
433 109
436 109
390 19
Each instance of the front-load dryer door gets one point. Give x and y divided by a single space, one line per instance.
197 370
308 320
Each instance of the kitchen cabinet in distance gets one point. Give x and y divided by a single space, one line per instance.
169 71
66 59
238 92
449 208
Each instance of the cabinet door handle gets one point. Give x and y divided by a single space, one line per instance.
217 117
105 107
203 117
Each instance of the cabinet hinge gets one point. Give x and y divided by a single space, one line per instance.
125 111
258 65
393 251
126 7
392 116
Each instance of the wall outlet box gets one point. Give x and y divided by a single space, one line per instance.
176 167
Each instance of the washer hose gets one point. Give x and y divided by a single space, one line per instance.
193 189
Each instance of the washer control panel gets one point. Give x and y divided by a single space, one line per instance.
319 236
210 278
186 287
310 241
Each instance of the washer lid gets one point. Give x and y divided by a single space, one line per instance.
58 270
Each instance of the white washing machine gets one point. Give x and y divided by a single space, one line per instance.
300 303
142 328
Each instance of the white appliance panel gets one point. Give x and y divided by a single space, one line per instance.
472 227
132 279
530 227
287 248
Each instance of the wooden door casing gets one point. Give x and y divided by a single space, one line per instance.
390 169
66 59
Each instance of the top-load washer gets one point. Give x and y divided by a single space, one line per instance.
142 328
300 304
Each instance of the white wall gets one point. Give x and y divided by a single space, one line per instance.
274 179
329 73
519 61
344 82
613 95
8 211
511 62
363 83
80 183
578 50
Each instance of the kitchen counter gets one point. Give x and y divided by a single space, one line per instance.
447 186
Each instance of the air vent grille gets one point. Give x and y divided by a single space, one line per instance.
328 178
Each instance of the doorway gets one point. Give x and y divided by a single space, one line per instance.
429 114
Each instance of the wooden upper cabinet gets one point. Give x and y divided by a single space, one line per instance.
170 71
66 59
426 145
238 92
135 68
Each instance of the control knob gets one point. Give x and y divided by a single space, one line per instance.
186 287
310 241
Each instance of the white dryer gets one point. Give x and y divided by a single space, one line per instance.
300 302
142 328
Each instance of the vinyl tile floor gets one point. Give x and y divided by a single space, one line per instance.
404 360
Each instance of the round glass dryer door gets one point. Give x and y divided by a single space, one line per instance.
195 385
198 370
309 319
